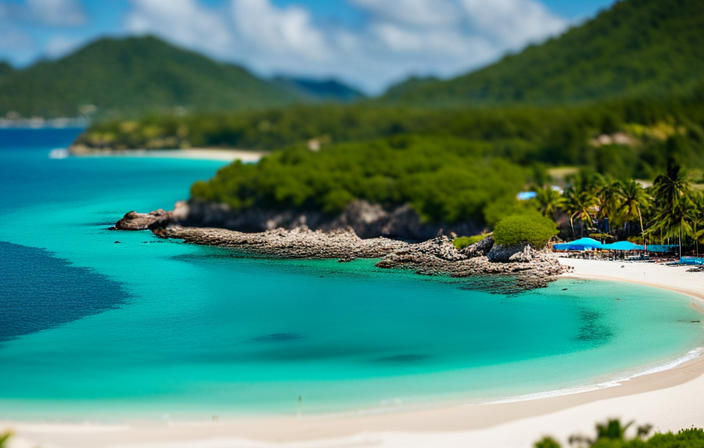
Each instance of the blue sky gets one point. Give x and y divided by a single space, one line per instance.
368 43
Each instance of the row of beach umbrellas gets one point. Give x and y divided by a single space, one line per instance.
591 244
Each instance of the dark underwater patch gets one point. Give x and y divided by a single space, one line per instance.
39 291
591 330
498 285
402 359
219 253
276 338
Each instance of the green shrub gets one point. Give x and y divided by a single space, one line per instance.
547 442
465 241
613 435
4 438
532 229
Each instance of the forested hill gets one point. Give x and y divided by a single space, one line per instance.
316 91
133 76
636 49
5 69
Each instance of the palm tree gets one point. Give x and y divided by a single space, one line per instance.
578 203
632 200
673 200
698 219
548 200
609 201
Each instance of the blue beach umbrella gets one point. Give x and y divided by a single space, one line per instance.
581 244
623 246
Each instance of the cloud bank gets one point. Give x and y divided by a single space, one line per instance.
394 39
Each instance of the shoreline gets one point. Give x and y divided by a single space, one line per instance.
670 399
222 155
631 273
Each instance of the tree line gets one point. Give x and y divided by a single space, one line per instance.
669 209
629 138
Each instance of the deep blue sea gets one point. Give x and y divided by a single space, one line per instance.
96 324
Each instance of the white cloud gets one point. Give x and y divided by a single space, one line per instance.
512 22
60 45
13 38
396 38
269 29
184 22
412 12
56 12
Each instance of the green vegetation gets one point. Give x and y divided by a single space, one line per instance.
678 209
466 241
636 49
639 136
612 434
5 69
621 95
533 229
445 180
129 77
619 209
4 438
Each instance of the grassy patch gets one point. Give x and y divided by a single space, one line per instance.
466 241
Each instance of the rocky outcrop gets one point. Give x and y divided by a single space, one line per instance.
366 219
144 221
519 268
503 254
439 257
520 253
297 243
480 249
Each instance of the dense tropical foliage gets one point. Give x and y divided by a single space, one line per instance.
612 434
625 139
670 210
448 180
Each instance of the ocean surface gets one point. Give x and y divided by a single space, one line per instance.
108 326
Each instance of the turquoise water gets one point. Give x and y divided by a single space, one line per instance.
92 329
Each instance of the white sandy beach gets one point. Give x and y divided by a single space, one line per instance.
224 155
672 399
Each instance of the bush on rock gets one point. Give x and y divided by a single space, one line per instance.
532 229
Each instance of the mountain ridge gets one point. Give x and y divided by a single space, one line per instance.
635 49
314 90
137 75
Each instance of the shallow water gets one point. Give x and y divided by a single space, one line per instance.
147 328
